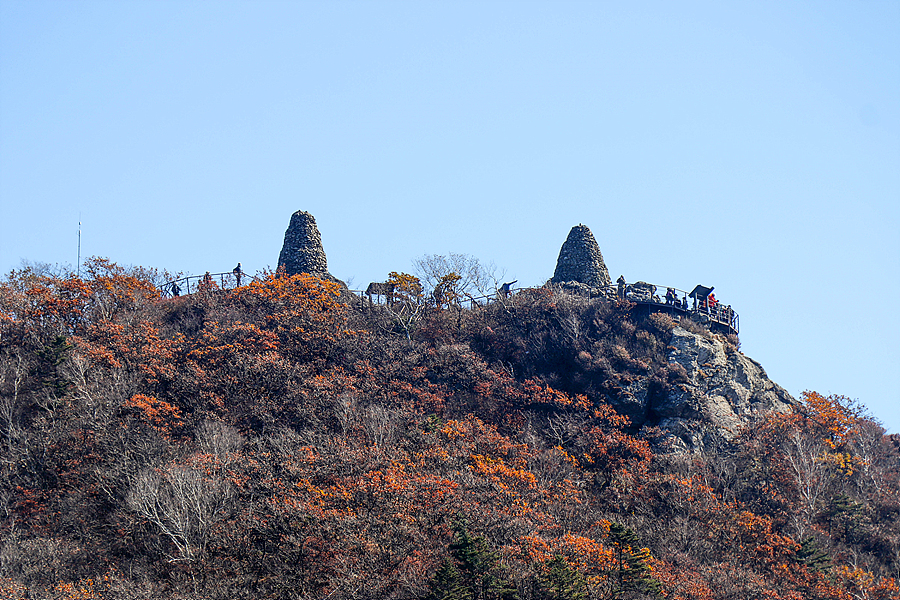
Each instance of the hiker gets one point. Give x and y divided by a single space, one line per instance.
712 304
505 288
176 291
670 296
237 274
621 289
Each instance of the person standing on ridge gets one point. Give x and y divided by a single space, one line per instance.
505 288
237 274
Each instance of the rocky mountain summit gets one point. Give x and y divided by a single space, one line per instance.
720 389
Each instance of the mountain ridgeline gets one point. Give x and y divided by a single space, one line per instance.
286 438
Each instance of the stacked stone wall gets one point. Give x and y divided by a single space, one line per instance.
302 251
580 260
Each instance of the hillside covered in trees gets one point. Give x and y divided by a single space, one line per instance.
281 440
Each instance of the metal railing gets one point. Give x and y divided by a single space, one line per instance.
641 293
678 303
192 283
469 302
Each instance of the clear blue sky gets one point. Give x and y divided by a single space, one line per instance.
752 146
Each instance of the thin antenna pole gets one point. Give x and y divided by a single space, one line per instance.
78 268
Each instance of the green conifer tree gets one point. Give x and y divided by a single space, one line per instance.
448 583
472 572
632 572
561 582
51 358
811 555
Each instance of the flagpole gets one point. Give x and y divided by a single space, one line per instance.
78 267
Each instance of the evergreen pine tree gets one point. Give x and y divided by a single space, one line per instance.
472 572
631 572
846 517
561 582
811 555
448 584
51 358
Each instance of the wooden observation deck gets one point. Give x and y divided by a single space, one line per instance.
699 304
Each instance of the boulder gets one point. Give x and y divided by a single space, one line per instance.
640 291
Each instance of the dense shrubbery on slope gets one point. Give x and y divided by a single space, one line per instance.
272 442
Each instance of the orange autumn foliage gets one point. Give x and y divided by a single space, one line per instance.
280 441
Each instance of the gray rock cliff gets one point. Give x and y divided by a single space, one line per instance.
725 390
722 392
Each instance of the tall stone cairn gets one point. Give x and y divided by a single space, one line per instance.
580 260
302 251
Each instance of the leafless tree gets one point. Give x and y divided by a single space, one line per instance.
380 425
219 439
344 410
13 372
184 503
476 279
868 445
804 455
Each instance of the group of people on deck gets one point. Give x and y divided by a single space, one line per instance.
672 299
709 305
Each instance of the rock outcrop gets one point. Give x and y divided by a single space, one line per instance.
641 291
725 390
580 260
721 392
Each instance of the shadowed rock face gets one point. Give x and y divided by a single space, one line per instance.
302 251
580 260
725 391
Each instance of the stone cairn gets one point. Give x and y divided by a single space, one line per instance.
302 251
580 261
